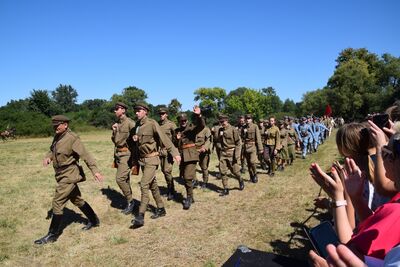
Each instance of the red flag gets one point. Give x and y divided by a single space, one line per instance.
328 110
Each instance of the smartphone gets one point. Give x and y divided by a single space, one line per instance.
320 236
381 120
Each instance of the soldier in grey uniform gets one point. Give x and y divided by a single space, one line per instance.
231 147
166 159
65 152
252 146
148 138
122 153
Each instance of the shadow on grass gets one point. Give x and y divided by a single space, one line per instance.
302 245
118 200
70 217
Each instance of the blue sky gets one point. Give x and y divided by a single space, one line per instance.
171 48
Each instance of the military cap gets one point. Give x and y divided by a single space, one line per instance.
303 118
162 110
222 117
141 105
58 119
182 117
121 104
248 116
241 117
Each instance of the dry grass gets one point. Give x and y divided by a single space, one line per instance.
259 217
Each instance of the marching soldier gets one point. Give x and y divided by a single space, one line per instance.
122 153
186 139
241 125
305 134
231 147
166 159
283 152
203 145
214 134
149 137
65 152
271 145
252 146
292 141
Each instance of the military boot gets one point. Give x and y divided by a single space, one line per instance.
224 192
241 184
160 212
187 202
54 231
171 191
92 217
254 178
129 208
138 221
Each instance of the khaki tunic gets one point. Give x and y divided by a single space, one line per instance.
122 154
283 152
271 142
65 152
292 140
149 137
231 147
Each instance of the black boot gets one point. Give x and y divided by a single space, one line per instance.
54 231
241 185
160 212
254 178
129 209
92 217
171 191
224 192
138 221
187 202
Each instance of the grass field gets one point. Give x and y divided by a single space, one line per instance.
264 216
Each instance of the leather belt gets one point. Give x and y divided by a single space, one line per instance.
186 146
250 142
228 149
153 154
122 149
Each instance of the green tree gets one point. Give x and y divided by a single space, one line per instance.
65 96
41 102
211 100
314 102
271 102
289 107
174 107
244 100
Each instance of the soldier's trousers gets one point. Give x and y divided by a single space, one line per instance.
226 164
203 163
166 168
251 159
291 152
269 157
149 182
304 143
123 175
189 174
65 192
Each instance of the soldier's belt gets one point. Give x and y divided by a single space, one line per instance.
250 142
228 149
186 146
122 149
153 154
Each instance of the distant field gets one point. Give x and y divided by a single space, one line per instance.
262 217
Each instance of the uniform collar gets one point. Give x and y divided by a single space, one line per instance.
144 120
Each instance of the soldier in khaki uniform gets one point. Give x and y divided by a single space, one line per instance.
148 137
166 159
252 146
203 145
231 147
65 152
241 125
185 140
122 153
283 151
292 141
271 145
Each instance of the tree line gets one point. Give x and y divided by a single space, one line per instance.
362 83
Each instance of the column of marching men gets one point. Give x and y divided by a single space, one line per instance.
143 145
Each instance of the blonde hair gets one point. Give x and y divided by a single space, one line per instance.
352 139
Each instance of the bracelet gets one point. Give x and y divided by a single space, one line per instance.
339 203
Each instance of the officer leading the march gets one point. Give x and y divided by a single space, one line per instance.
65 152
